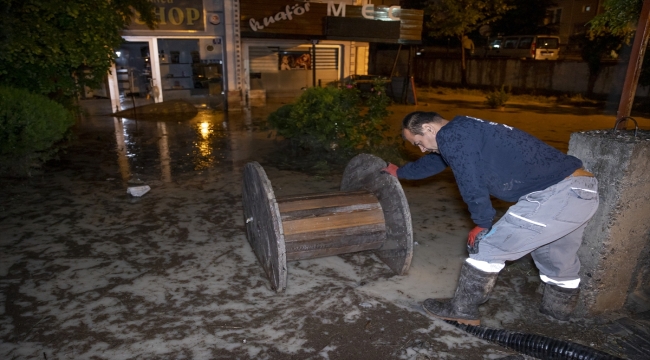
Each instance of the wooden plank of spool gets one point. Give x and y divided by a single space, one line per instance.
363 172
343 223
263 224
317 225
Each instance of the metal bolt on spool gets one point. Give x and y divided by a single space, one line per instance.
370 213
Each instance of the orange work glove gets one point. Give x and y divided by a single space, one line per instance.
475 237
472 235
391 169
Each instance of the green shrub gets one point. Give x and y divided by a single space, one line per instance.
30 127
335 122
497 98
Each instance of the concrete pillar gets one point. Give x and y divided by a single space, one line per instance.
234 100
233 62
615 251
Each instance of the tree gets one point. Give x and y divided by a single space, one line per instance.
592 50
525 18
52 47
618 18
460 17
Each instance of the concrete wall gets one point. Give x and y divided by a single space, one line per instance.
639 298
557 76
612 252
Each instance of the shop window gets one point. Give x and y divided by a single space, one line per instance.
190 69
327 58
273 59
295 60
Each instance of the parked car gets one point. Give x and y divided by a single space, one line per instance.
535 47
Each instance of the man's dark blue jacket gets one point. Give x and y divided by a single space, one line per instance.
488 158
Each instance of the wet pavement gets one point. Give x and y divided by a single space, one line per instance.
88 271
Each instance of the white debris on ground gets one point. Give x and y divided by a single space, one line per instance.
138 191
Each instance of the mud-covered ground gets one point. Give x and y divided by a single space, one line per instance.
90 272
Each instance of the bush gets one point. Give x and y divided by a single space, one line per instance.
30 127
497 98
334 122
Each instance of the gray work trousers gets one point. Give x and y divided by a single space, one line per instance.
547 223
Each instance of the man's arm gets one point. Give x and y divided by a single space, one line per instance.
428 165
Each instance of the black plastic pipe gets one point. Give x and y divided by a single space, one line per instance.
541 347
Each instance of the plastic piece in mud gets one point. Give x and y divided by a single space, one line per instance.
369 214
138 190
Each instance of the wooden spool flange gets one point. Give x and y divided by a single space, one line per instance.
371 213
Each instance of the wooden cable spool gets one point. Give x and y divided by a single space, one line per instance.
370 213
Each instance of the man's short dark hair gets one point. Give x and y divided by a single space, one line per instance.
414 121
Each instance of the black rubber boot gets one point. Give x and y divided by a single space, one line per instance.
559 302
474 287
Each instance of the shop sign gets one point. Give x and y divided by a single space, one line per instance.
367 11
289 11
287 14
295 19
175 15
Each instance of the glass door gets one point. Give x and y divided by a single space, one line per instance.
133 71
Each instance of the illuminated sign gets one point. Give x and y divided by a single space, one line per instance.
175 15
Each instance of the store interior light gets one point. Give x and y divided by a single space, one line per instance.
118 53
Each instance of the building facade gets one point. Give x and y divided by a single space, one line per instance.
234 53
183 58
572 16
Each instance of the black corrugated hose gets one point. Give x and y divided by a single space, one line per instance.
541 347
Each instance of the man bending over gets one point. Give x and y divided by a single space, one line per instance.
554 195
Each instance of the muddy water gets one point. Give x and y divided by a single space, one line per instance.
88 271
178 145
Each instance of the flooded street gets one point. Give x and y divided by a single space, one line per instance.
89 271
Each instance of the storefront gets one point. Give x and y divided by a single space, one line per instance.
288 46
183 58
230 54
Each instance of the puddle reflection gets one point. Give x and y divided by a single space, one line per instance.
164 149
122 155
203 156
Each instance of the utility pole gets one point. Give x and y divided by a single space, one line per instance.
634 66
